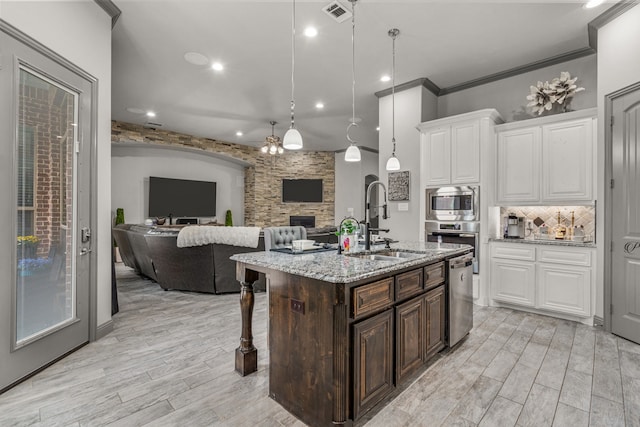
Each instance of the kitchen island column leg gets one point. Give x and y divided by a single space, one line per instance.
246 354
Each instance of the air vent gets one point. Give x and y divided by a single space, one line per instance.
151 125
337 11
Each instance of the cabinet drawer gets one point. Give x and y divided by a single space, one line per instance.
408 284
433 275
372 297
565 256
514 251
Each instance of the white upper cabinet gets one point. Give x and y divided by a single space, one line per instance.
436 156
519 165
547 160
465 153
567 163
450 148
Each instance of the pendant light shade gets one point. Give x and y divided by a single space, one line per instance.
292 138
393 164
353 152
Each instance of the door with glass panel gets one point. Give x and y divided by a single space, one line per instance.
45 240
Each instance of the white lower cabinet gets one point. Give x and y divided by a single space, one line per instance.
514 281
553 279
564 288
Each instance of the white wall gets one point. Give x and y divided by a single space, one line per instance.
350 190
509 96
131 168
412 107
618 67
80 31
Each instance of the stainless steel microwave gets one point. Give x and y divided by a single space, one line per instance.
453 203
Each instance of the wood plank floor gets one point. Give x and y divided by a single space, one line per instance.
169 362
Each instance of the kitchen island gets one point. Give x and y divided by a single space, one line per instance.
345 330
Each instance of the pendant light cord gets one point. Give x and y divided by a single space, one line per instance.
353 62
393 91
353 71
293 59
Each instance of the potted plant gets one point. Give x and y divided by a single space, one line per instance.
228 219
347 233
27 246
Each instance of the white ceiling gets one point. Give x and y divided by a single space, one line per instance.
449 42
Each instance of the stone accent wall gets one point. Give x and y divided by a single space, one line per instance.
263 176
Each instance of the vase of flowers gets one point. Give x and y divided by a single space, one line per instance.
554 96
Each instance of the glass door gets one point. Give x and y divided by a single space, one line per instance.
45 175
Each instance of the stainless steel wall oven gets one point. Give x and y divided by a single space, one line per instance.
464 232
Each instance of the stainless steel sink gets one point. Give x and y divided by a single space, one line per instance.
386 255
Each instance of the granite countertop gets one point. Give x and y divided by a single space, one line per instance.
549 242
331 267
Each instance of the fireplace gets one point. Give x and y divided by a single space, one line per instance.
308 221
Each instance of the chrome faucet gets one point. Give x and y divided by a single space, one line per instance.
367 219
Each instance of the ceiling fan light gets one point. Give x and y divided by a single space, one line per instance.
280 150
292 139
393 164
264 149
352 154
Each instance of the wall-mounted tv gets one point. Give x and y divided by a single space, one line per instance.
302 190
181 197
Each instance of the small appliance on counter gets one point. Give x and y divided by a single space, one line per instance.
514 228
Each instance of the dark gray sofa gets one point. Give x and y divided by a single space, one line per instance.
154 253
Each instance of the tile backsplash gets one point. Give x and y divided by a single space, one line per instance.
583 215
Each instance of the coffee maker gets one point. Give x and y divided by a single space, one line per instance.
514 226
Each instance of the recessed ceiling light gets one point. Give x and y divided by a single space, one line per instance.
378 128
310 32
593 3
216 66
151 114
319 105
135 110
385 78
196 58
239 133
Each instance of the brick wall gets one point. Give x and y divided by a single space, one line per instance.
263 177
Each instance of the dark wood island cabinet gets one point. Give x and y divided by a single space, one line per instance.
344 331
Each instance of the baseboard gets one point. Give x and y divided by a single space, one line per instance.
104 330
598 321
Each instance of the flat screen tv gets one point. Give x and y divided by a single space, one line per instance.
302 190
181 197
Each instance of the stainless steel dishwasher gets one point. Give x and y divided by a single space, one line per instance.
460 297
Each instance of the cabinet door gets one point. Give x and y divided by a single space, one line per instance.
409 337
435 322
567 165
372 361
436 157
465 153
564 289
513 281
518 175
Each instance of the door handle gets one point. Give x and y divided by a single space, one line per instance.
85 251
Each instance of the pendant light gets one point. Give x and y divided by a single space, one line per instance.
292 139
353 152
393 164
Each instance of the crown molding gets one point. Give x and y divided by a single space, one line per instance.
592 29
112 10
